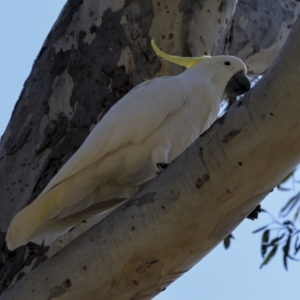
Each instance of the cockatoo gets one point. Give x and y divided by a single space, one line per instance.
137 138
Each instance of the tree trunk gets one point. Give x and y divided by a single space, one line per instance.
259 30
95 53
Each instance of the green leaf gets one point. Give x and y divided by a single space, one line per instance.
276 240
227 241
284 180
286 249
264 242
260 229
288 222
287 177
265 236
269 256
290 205
297 246
293 258
297 213
263 250
282 188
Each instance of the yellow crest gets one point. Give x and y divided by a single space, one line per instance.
182 61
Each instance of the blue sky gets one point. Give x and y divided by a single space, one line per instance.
232 274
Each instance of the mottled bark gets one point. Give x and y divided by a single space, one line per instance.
255 30
259 30
95 53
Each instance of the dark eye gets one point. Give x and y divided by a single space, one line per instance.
227 63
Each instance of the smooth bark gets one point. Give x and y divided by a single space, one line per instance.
94 55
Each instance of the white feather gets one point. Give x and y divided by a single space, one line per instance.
154 123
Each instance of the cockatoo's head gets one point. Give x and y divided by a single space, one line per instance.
233 71
225 70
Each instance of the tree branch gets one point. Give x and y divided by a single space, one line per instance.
184 213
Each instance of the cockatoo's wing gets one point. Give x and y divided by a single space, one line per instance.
137 115
72 191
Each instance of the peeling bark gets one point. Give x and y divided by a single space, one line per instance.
95 53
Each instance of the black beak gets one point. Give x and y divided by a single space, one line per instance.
237 85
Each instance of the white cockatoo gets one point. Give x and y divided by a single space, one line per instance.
137 138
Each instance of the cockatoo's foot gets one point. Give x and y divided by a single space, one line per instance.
161 167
